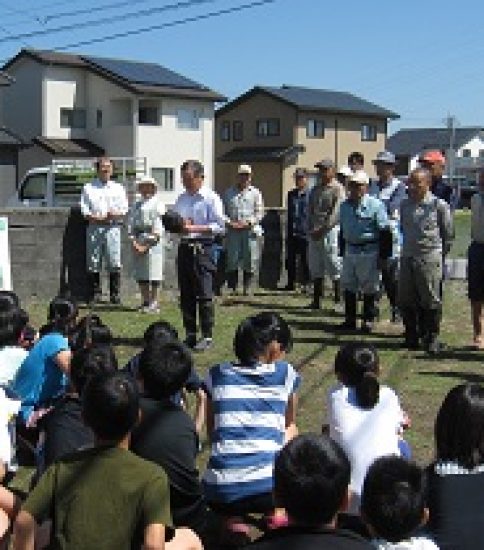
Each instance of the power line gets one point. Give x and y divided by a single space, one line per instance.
99 22
176 23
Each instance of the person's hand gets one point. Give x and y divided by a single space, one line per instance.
187 225
237 225
139 248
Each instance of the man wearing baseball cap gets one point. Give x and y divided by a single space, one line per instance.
362 219
244 208
323 217
391 191
296 234
434 161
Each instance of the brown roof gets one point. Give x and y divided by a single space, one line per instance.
69 147
262 154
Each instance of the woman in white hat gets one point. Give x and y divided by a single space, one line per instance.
145 231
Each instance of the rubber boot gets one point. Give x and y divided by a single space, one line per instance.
410 322
232 281
350 312
247 282
433 345
369 312
317 293
114 287
94 290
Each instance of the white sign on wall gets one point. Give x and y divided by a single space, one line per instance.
5 270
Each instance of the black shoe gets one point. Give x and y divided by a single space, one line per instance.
115 299
314 305
288 288
346 326
367 327
396 317
435 346
190 341
411 344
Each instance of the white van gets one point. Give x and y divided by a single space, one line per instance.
60 184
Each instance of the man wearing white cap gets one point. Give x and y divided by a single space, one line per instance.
244 209
391 191
362 219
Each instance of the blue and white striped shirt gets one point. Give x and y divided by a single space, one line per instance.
249 406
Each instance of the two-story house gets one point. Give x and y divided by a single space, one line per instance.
279 129
69 105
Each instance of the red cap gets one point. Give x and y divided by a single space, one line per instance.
432 157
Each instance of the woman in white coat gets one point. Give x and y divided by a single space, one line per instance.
145 231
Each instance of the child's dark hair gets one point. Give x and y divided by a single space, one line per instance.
110 405
91 331
356 156
61 316
8 300
164 368
10 327
161 331
255 333
393 498
357 366
311 478
89 362
459 426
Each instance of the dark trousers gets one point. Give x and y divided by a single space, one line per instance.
389 277
297 249
196 270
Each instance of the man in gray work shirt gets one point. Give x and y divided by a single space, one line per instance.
427 229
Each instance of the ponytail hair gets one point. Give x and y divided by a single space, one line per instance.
357 365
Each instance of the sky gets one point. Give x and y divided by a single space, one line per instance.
422 59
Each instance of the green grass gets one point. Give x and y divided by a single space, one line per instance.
420 381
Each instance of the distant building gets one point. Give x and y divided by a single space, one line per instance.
278 129
407 144
67 105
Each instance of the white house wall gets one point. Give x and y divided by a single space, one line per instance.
22 100
167 146
116 139
475 145
64 87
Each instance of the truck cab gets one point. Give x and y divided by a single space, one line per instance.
61 183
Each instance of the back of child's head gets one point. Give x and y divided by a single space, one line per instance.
393 498
311 478
89 362
8 300
91 331
459 426
110 405
164 368
256 333
61 315
10 327
357 365
161 331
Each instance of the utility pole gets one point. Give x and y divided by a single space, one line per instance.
451 122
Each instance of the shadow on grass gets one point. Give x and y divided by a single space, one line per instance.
134 341
456 354
464 376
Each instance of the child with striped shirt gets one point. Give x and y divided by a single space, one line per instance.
251 413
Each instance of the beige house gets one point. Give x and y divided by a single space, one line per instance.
278 129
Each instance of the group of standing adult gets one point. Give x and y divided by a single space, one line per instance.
370 236
367 236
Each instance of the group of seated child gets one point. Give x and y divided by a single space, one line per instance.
115 450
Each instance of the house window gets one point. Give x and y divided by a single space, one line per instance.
315 128
187 119
99 118
238 130
268 127
368 132
164 177
466 153
148 113
34 187
72 118
225 131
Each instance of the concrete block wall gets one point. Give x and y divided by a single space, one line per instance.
48 253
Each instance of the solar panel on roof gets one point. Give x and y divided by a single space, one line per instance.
143 73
